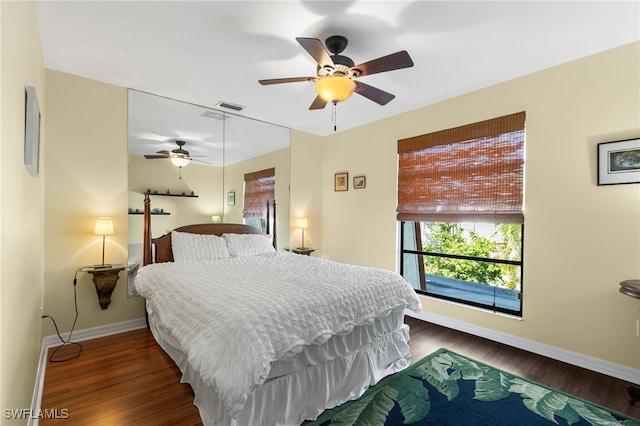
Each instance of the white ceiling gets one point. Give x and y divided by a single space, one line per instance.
204 52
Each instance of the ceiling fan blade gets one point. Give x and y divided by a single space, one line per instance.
376 95
316 49
390 62
164 152
285 80
200 161
154 157
318 103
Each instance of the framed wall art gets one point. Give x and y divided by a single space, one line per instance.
231 198
341 182
619 162
32 132
359 182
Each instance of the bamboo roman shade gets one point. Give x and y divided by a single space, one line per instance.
470 173
259 188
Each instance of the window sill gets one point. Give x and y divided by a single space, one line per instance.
475 308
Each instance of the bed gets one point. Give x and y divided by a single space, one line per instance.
266 337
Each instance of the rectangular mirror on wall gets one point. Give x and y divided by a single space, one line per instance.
190 158
251 147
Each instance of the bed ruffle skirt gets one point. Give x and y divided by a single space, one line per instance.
293 398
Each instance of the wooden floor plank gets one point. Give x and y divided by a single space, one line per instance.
127 379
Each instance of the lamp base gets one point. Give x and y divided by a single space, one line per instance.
102 266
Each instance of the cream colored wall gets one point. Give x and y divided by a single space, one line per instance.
21 207
161 175
234 181
306 189
86 177
581 239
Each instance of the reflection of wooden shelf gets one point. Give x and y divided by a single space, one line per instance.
158 213
168 194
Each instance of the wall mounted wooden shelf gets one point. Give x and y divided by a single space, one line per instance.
105 279
169 194
158 213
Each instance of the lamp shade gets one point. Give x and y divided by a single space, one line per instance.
216 218
104 226
180 161
302 223
335 88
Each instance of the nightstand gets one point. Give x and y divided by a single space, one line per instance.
105 279
304 251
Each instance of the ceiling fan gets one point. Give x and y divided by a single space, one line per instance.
179 157
336 74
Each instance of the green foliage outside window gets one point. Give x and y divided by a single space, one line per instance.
504 242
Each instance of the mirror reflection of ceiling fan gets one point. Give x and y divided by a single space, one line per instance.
179 157
336 76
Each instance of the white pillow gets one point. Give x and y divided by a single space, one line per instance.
248 244
189 247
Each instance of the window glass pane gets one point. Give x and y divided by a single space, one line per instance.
473 291
492 240
411 271
473 263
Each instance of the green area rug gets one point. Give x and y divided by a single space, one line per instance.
446 388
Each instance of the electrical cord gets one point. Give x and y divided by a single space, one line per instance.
67 342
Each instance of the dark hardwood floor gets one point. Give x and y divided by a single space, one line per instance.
126 379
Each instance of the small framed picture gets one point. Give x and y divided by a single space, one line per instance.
32 132
341 182
619 162
231 198
359 182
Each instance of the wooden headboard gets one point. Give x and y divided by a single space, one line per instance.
163 251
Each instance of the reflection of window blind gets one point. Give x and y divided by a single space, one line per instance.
258 190
468 173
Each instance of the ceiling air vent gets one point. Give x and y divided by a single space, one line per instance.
228 105
215 115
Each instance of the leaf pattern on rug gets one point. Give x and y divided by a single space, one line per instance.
372 409
443 370
492 385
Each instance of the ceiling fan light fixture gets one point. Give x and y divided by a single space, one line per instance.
179 161
335 88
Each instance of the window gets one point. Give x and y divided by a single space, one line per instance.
460 204
259 193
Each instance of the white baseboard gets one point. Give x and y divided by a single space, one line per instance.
77 336
95 332
594 364
36 399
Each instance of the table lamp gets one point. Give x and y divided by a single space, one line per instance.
104 227
302 223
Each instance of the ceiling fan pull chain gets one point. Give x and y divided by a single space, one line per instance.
334 119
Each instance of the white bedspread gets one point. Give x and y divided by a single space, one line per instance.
233 317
